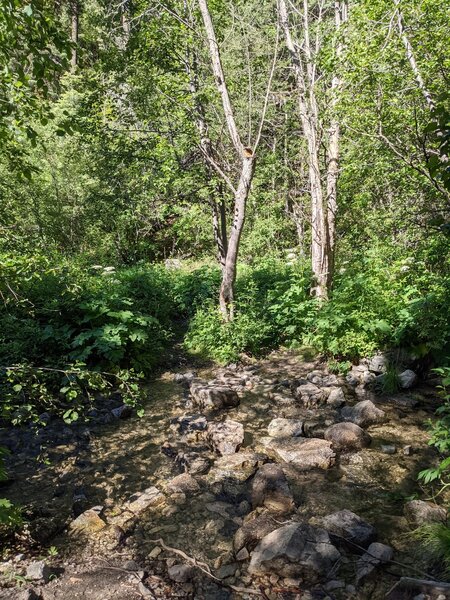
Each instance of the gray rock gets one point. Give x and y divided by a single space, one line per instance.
367 378
253 530
347 436
285 428
378 363
346 527
353 378
419 512
180 573
38 570
183 483
213 396
388 449
270 488
303 453
408 450
122 412
142 501
309 394
243 554
407 379
226 437
295 550
227 570
315 377
28 594
377 554
364 413
336 397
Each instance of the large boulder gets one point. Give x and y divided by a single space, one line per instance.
270 488
280 428
419 512
349 529
378 363
347 436
295 550
364 413
302 453
226 437
213 396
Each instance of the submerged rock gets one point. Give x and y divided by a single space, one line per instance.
213 396
270 488
347 436
302 453
295 550
364 413
346 526
280 427
226 437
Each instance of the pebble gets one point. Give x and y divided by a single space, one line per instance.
156 551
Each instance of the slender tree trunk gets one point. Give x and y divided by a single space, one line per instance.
74 15
412 59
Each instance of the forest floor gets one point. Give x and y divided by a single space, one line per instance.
128 545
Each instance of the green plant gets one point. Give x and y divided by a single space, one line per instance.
434 539
10 515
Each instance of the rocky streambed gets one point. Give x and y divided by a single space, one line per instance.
276 479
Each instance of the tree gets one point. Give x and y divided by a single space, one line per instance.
246 155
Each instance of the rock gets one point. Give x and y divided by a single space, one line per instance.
407 379
189 424
28 594
185 378
345 524
193 462
347 436
270 489
180 573
38 570
183 483
378 363
88 523
388 449
226 571
142 501
122 412
252 531
303 453
334 584
352 378
309 394
238 466
407 450
419 512
279 428
336 397
367 378
364 413
213 396
376 555
243 554
295 550
226 437
315 377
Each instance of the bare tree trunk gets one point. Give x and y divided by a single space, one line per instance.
412 59
341 16
74 15
304 71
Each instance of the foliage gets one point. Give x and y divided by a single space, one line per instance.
434 539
